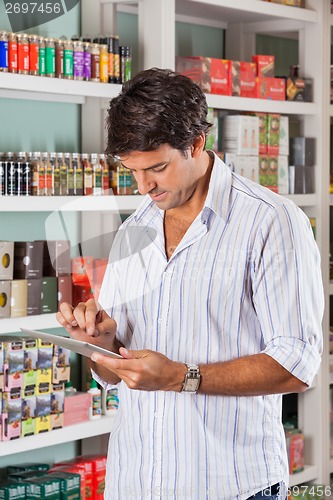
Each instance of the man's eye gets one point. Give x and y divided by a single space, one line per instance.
160 169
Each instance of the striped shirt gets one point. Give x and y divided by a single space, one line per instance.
244 279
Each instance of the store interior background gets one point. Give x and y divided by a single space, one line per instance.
46 126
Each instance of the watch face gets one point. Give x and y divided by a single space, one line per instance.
191 384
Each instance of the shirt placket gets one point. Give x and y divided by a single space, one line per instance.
161 395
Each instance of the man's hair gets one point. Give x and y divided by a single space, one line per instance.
158 106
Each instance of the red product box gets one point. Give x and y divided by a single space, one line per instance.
100 266
87 466
271 88
81 294
64 290
99 471
212 75
82 270
248 79
295 447
77 469
265 65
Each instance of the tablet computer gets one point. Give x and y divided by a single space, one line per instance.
84 348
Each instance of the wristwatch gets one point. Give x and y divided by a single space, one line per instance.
192 379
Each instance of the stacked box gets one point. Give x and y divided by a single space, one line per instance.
214 76
12 491
19 296
70 484
76 407
240 134
57 406
5 287
64 290
28 259
32 466
273 133
43 412
57 260
60 364
247 166
49 295
30 358
2 382
211 143
283 174
11 416
29 409
284 136
44 367
268 172
248 79
265 65
13 354
34 293
88 466
295 450
6 260
44 488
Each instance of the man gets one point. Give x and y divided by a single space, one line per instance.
215 318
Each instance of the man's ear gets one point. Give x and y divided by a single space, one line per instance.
198 146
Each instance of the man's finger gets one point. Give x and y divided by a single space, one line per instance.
67 312
90 317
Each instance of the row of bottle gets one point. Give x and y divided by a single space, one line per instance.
103 402
100 60
63 174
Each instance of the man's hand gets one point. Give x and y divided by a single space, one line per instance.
145 370
88 324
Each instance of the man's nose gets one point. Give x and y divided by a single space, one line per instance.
145 182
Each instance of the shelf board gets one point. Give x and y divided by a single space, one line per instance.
53 89
238 11
260 105
42 321
122 204
76 432
302 200
310 473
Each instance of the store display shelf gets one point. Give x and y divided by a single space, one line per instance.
75 432
236 11
41 321
123 204
310 473
53 89
260 105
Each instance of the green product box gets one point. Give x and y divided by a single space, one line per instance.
12 491
49 295
44 367
25 475
30 367
44 488
273 134
70 484
11 469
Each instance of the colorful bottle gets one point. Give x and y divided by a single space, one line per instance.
95 410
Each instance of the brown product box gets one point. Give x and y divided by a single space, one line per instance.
28 259
212 75
299 89
28 424
5 299
248 75
273 133
34 290
49 295
271 88
57 259
18 298
6 260
265 65
64 290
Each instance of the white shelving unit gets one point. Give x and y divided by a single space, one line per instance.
76 432
242 21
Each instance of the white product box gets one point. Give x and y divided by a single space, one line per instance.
283 174
248 167
240 134
284 136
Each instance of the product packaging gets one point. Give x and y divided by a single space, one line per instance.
273 134
57 260
283 175
64 290
18 298
28 424
43 410
30 349
5 287
212 75
265 65
271 88
268 172
302 151
49 295
95 410
28 259
248 73
34 293
110 401
44 367
6 260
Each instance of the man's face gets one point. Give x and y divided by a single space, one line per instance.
165 174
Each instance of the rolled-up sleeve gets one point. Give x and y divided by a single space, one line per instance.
288 291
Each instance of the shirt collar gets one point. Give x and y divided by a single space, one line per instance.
217 199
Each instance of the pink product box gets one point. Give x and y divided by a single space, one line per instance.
78 401
13 364
75 417
1 368
11 418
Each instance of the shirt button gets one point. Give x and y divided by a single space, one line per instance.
160 320
165 274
